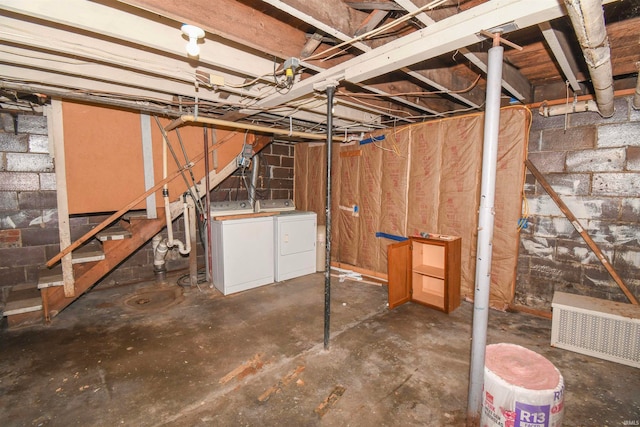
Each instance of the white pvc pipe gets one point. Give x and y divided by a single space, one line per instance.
485 234
159 251
171 242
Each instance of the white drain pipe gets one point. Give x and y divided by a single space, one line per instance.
587 18
485 232
171 242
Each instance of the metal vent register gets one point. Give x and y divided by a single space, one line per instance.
600 328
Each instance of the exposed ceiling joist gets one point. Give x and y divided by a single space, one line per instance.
558 45
132 52
517 86
444 36
364 48
372 21
373 5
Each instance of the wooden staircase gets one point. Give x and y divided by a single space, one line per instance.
32 303
93 259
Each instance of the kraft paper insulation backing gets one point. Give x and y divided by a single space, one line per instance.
369 208
393 204
422 177
460 189
510 176
336 191
345 213
317 175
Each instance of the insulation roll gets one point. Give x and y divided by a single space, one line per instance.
521 389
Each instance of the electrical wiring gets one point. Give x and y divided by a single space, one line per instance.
433 4
415 94
361 102
443 113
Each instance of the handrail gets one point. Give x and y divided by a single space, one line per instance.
131 204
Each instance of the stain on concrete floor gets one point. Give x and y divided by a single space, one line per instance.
209 360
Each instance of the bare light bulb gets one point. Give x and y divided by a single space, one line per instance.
194 33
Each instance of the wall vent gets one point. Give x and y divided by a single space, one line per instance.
600 328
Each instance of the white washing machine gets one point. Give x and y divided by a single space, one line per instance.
242 252
295 234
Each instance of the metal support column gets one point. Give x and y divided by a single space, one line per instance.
330 90
485 232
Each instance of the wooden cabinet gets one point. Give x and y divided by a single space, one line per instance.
426 271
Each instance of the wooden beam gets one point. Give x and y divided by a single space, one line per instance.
576 224
513 81
231 20
373 5
557 42
312 44
510 86
371 21
56 133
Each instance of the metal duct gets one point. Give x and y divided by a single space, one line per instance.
587 18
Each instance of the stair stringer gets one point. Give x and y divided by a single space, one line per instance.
142 230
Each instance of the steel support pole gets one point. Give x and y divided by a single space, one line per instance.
330 90
207 209
485 233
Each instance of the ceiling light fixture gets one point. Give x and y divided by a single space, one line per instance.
194 33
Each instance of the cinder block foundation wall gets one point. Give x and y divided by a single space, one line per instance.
28 207
275 177
594 164
28 220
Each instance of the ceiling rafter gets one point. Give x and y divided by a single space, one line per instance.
364 48
558 45
130 57
517 86
284 7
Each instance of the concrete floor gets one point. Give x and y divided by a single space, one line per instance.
257 359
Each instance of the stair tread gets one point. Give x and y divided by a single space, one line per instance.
140 214
116 232
87 253
23 299
50 277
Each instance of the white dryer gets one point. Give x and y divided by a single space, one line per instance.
295 234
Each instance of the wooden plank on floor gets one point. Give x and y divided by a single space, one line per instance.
249 367
284 381
327 403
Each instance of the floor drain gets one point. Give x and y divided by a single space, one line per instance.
150 299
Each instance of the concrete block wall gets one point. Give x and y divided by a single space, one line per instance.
275 177
28 208
594 165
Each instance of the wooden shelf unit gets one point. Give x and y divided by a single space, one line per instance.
426 271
